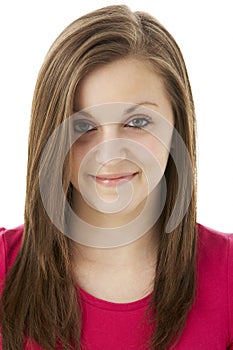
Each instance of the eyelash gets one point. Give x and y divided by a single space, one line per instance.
145 118
138 128
82 121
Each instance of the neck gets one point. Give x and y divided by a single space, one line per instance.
134 253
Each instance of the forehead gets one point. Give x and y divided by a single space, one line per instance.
126 80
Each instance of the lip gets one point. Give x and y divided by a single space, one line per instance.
114 179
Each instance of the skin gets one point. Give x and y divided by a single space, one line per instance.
130 82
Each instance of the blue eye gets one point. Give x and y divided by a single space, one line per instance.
139 123
82 126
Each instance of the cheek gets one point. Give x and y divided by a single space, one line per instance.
162 155
78 152
159 151
155 164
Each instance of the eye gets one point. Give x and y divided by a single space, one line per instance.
83 126
139 122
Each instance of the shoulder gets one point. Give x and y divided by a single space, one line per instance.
10 242
214 252
212 235
211 242
215 273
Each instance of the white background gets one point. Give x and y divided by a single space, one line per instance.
204 32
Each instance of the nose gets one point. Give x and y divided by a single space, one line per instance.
111 145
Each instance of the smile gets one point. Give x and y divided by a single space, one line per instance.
113 179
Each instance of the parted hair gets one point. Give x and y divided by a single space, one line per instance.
40 299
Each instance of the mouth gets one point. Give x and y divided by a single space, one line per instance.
114 179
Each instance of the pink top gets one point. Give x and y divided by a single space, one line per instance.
120 326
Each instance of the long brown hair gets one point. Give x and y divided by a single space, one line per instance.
40 297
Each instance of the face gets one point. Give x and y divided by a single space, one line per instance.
124 122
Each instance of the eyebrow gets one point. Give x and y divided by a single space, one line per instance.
129 110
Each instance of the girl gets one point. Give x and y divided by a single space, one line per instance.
110 255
